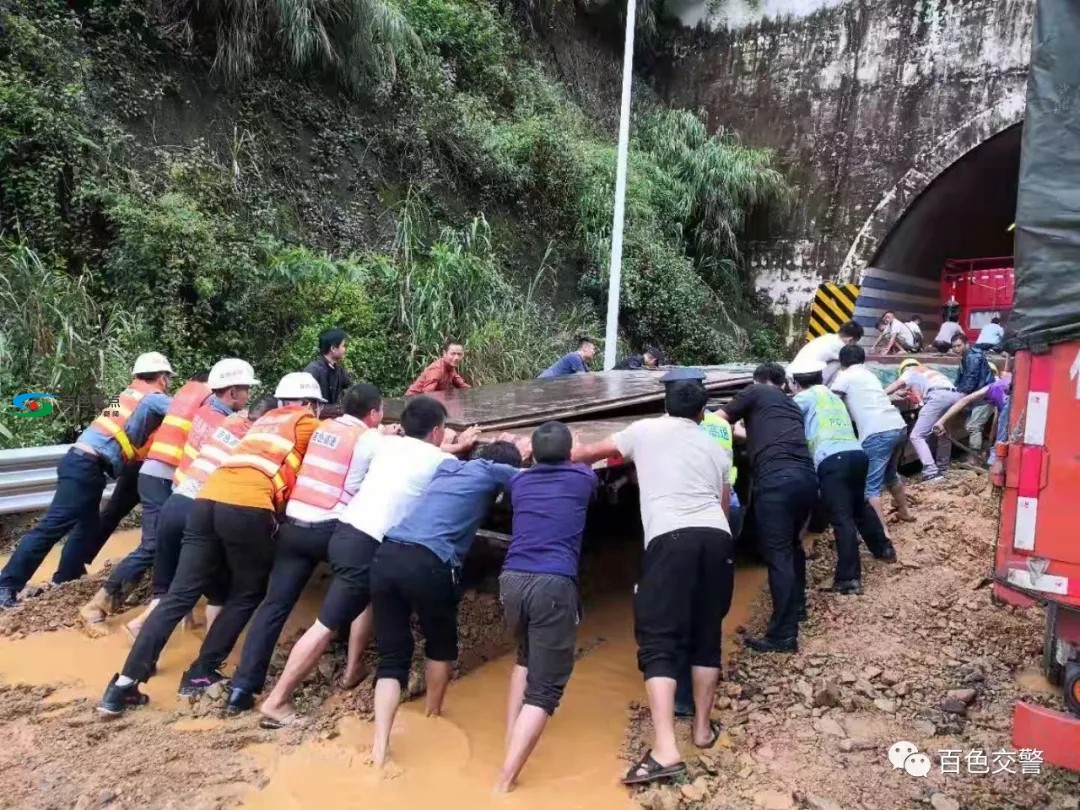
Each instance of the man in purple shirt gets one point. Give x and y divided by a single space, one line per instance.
538 587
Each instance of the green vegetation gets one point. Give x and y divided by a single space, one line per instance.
407 172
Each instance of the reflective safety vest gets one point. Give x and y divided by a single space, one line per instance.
215 450
170 438
206 420
833 420
321 480
270 448
114 417
720 430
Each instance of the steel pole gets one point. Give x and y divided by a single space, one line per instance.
611 337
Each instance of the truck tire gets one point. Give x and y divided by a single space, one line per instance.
1054 672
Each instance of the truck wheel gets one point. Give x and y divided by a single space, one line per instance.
1072 687
1053 671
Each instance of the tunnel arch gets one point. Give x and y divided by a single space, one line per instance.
956 202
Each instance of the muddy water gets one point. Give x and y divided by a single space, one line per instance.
450 761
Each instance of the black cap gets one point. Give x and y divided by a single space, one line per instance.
683 373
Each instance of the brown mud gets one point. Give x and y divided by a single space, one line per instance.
176 753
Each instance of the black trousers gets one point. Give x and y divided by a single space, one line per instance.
682 597
842 483
407 579
782 504
153 493
350 553
299 550
125 497
170 537
237 539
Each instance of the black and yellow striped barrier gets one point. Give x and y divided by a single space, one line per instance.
833 305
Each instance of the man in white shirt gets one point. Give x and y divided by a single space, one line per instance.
991 335
687 572
880 426
336 463
915 325
398 470
944 338
826 348
896 334
935 394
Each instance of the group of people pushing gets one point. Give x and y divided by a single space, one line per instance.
242 500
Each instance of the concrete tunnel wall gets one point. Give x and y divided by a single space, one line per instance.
866 104
965 212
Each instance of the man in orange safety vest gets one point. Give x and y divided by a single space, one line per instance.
118 436
231 528
199 406
332 471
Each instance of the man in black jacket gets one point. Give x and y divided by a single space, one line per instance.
327 369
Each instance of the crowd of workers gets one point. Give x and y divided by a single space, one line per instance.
242 500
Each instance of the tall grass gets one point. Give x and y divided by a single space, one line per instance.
57 337
456 287
362 42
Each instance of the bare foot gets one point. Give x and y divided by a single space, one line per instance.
277 712
93 620
503 787
349 680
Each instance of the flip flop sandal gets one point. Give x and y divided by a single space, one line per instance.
653 771
293 720
714 729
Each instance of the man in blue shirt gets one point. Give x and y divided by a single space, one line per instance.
417 569
103 449
842 465
573 363
538 587
975 371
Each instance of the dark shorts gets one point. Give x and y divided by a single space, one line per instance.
349 553
408 578
687 578
542 613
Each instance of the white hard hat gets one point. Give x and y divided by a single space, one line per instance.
806 367
299 385
231 371
151 363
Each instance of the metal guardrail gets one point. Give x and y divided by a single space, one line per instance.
28 478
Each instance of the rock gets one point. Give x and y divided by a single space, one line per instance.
1069 802
106 797
766 753
871 672
748 691
692 792
966 696
821 803
326 670
772 690
826 693
901 689
847 677
830 727
885 705
722 703
84 802
658 798
939 801
707 762
954 706
215 691
804 690
925 728
863 687
890 678
773 800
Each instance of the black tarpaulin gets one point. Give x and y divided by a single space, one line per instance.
1046 308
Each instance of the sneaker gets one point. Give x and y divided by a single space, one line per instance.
932 478
846 587
888 555
240 700
118 698
8 598
195 682
773 645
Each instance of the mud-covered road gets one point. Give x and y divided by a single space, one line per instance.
922 656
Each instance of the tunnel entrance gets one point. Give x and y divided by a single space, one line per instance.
965 213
